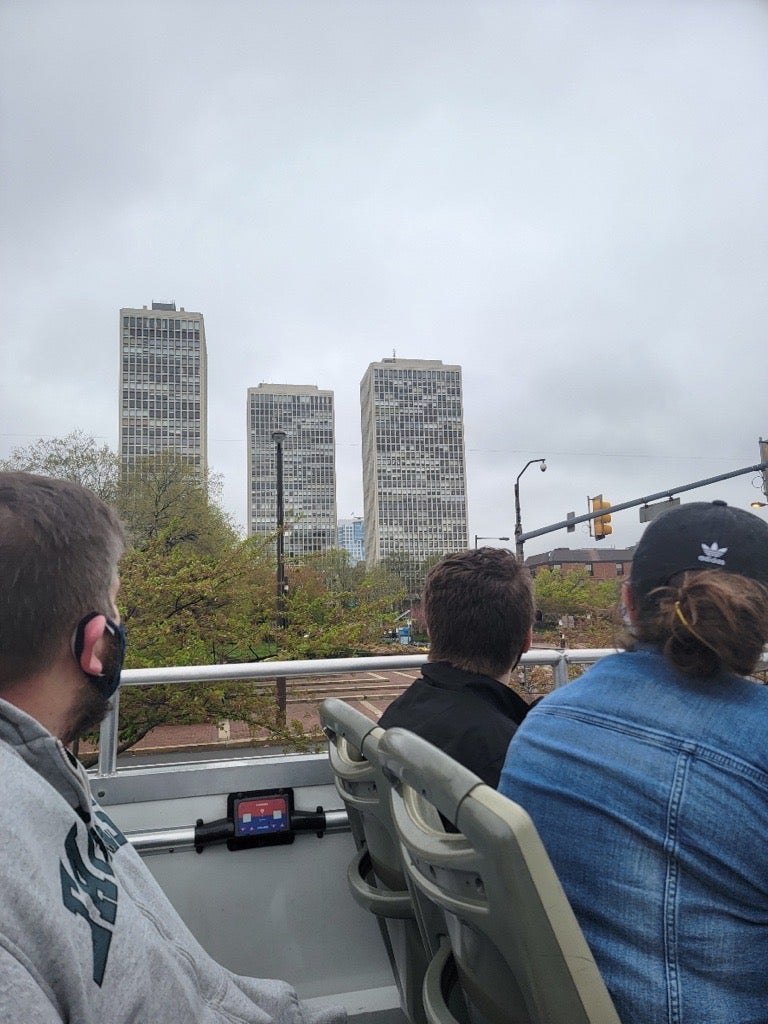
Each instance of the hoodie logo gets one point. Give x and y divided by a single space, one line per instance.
89 890
712 554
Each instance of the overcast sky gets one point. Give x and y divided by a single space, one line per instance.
568 199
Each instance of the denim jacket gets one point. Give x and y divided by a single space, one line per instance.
650 791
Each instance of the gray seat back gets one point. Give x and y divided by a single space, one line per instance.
376 876
519 952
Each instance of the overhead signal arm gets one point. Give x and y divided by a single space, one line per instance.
593 514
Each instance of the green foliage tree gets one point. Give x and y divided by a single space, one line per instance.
591 602
164 496
573 592
336 616
411 572
563 593
193 592
77 457
183 606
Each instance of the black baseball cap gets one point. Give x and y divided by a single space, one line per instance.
700 535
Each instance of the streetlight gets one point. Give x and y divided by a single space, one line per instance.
279 437
758 504
518 522
488 538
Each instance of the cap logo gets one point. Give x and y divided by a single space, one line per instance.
713 554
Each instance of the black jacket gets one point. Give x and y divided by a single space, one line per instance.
471 717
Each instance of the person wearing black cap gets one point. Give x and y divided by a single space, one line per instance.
647 778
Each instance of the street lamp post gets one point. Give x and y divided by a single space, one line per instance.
488 538
518 520
279 436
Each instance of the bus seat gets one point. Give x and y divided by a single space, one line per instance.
511 935
376 876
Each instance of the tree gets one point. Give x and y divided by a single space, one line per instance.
165 496
562 593
193 592
336 570
182 606
575 593
325 620
410 571
76 457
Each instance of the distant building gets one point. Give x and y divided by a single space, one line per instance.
350 537
610 564
306 416
414 475
163 385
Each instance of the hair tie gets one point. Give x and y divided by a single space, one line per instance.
689 627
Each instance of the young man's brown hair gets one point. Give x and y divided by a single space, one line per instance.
59 549
478 606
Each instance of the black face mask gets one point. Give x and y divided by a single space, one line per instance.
107 681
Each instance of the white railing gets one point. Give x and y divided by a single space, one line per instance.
558 660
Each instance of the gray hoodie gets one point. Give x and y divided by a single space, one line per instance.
86 934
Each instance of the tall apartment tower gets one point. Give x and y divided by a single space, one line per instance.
305 415
163 385
414 474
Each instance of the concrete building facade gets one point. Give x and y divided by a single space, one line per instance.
306 416
163 385
414 468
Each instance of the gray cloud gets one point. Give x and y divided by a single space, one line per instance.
566 198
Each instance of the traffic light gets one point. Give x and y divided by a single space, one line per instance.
764 458
602 523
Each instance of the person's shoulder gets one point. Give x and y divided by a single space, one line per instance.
413 695
13 767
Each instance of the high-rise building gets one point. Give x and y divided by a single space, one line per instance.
350 537
305 415
414 475
163 385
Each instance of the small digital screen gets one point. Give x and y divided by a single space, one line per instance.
257 816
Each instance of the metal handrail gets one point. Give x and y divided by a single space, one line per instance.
179 838
558 660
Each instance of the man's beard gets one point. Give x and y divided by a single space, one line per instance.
91 709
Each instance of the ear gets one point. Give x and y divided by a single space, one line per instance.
628 600
528 641
92 634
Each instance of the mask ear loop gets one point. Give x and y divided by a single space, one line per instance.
689 627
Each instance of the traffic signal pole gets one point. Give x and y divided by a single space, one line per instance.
670 493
